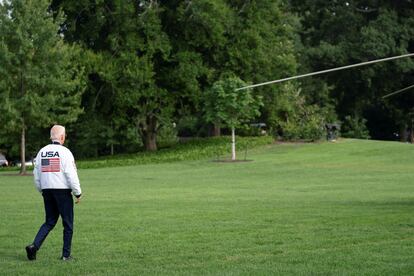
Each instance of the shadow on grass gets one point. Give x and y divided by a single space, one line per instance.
21 256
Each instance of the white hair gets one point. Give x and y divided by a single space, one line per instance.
56 131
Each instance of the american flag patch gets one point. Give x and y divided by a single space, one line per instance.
50 164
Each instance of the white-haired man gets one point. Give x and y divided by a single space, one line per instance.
56 178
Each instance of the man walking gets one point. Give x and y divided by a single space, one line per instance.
56 177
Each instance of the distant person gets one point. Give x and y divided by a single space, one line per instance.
56 177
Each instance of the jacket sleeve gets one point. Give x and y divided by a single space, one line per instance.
36 173
71 174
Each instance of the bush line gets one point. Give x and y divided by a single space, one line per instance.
195 149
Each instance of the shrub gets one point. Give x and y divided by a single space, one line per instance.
305 123
195 149
293 118
355 127
167 136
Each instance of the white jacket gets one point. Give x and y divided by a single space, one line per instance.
55 168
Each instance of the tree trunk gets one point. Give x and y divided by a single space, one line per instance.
216 130
23 134
112 138
233 144
149 134
403 133
150 142
23 150
412 131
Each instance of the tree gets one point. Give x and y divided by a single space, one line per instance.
143 50
225 106
40 83
198 31
131 66
95 26
262 47
154 59
336 33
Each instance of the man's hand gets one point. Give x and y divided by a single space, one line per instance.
78 199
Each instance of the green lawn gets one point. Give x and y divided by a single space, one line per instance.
344 208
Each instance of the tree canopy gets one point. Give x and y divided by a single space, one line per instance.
41 82
143 71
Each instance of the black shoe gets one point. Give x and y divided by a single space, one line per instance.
31 252
66 259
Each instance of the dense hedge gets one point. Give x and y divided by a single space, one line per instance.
194 149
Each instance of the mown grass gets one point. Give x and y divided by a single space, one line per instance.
298 209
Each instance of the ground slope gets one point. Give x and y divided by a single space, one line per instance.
298 209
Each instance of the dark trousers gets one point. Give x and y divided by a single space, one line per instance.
57 202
